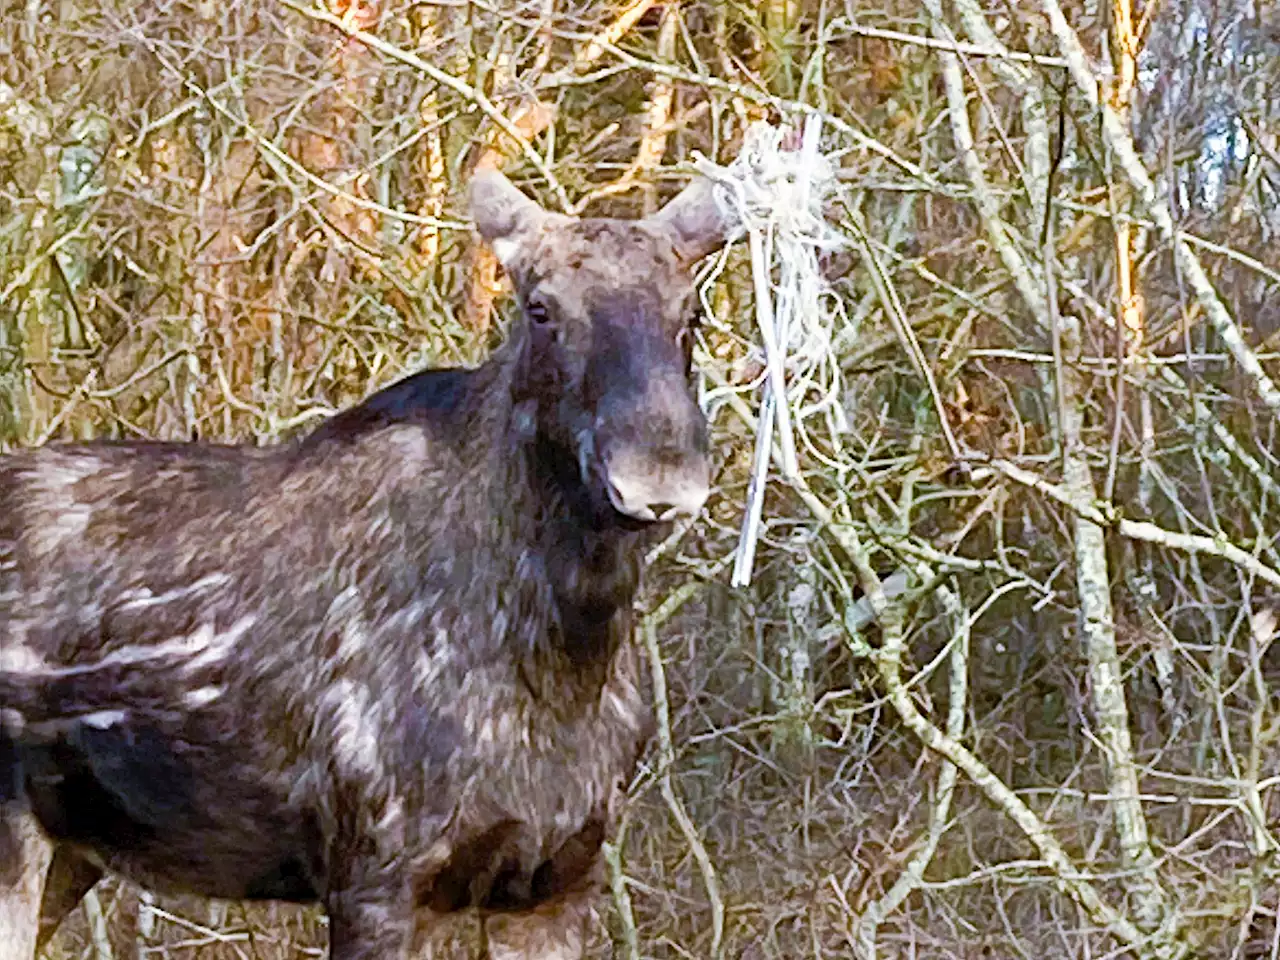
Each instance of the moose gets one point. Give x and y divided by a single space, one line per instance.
386 667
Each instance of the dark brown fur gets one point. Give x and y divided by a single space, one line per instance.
385 667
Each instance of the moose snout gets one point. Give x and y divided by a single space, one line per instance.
649 443
656 487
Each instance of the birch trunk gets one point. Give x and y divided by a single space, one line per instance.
1097 623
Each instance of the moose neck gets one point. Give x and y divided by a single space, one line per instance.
590 560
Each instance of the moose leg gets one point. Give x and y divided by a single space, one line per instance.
555 931
69 878
366 924
370 902
25 854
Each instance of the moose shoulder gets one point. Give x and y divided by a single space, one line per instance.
387 667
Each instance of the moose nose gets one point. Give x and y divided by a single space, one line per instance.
657 493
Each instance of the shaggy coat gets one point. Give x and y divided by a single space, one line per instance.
387 667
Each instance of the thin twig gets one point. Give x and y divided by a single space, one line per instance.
888 661
912 876
897 315
97 926
951 46
1120 142
460 87
667 756
614 31
622 901
1107 515
274 153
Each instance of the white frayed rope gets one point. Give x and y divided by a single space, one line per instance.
777 197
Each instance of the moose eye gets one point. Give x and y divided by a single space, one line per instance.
692 324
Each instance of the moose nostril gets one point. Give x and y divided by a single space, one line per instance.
642 486
629 501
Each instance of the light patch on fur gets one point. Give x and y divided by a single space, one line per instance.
59 518
498 627
437 856
505 249
143 598
202 697
346 616
210 646
495 730
350 719
393 816
427 666
409 446
408 618
58 528
103 719
55 475
203 647
435 655
12 723
16 656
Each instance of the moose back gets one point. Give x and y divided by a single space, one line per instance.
387 667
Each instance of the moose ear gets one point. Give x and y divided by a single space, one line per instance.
505 217
694 220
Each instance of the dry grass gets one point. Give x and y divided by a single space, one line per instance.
225 220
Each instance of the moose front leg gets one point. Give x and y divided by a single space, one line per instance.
370 924
69 878
370 902
25 854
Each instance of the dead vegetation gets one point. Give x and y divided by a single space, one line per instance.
226 220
